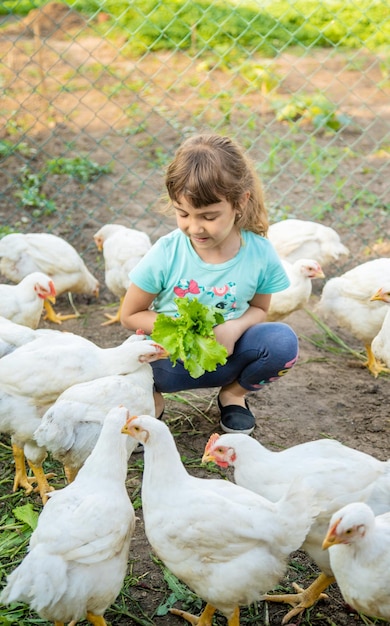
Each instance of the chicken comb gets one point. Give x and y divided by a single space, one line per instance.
131 418
212 439
53 292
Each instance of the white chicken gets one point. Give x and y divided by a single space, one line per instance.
359 548
70 427
13 335
345 300
295 239
23 303
78 554
381 343
122 248
19 418
296 296
22 254
226 543
44 368
336 473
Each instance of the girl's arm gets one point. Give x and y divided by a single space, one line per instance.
135 311
230 331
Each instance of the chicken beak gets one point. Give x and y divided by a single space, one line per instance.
208 458
98 243
331 538
377 295
162 353
127 428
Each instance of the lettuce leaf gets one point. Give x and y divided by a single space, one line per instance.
190 338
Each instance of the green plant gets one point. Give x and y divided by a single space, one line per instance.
8 147
316 110
189 336
30 194
82 168
331 341
179 592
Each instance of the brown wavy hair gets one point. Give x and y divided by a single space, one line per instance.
209 168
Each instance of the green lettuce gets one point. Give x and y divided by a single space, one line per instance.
190 338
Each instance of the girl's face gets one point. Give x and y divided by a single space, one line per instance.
210 227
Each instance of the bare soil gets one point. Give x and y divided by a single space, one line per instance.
325 395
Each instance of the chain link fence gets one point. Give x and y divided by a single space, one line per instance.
96 98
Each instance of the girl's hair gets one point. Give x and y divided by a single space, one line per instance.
209 168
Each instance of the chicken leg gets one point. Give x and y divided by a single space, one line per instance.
96 620
41 479
375 366
54 317
205 619
114 318
305 598
21 479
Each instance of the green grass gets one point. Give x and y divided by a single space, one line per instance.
330 341
200 25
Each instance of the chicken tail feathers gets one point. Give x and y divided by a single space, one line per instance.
36 586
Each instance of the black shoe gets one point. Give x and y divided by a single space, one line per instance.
236 419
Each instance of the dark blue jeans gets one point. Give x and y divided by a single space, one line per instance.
261 355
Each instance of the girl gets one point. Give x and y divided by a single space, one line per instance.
219 254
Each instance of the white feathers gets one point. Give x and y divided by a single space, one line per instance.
296 239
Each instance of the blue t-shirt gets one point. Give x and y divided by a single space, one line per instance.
172 268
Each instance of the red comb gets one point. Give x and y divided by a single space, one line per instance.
212 439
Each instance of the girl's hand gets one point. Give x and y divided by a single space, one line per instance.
230 331
227 334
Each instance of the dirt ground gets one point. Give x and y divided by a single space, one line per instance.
325 395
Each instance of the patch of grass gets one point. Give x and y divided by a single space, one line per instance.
30 193
82 168
330 341
7 148
315 109
179 592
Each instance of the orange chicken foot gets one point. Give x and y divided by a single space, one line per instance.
305 598
21 479
96 620
375 366
41 479
205 619
114 318
54 317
